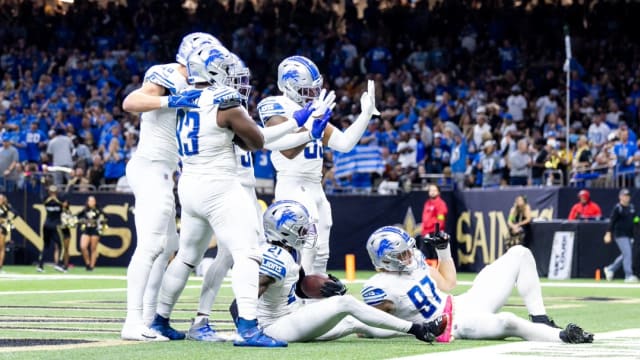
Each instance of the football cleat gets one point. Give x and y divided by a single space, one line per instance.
202 331
573 334
161 325
544 319
39 269
253 336
140 333
60 269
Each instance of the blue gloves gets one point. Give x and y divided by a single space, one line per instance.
319 124
186 99
301 116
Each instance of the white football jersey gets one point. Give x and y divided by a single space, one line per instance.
280 298
158 127
308 163
245 167
204 147
415 295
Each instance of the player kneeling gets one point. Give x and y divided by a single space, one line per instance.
409 289
288 229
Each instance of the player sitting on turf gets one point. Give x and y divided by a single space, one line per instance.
408 289
288 229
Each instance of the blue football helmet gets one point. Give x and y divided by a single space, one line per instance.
287 222
210 64
299 79
240 77
192 41
391 249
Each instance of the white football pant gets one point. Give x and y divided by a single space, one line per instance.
222 206
476 311
152 185
311 195
328 319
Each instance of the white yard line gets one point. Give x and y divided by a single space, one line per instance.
614 345
75 291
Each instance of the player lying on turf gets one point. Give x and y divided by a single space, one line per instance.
408 289
288 229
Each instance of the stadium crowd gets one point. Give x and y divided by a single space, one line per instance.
478 97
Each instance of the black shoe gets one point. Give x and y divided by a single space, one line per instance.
573 334
544 319
428 331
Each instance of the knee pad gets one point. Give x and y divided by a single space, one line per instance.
508 320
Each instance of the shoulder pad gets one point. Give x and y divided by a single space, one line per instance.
225 97
272 267
373 295
161 75
270 107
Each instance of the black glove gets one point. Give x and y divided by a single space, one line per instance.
439 240
333 287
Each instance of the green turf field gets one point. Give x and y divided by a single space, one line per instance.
88 308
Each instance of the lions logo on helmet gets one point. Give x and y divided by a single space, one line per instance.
192 41
210 64
391 249
299 79
287 222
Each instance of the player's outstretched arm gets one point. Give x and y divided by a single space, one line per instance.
146 98
276 132
446 275
345 141
237 119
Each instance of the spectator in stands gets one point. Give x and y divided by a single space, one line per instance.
583 157
585 209
519 222
520 164
621 223
434 211
598 132
516 103
624 151
114 162
546 105
481 127
78 182
35 140
459 157
490 164
407 147
96 172
8 163
60 148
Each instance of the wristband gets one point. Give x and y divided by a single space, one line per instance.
444 254
164 102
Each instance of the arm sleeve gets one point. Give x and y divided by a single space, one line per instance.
614 218
276 132
345 141
299 291
573 214
372 295
288 141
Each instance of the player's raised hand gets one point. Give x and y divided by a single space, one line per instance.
438 239
186 99
319 124
301 116
371 90
326 101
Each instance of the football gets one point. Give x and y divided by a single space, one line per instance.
311 285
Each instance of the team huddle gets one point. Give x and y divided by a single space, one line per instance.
194 112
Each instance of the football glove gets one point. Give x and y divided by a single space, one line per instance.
301 116
333 287
186 99
319 124
438 239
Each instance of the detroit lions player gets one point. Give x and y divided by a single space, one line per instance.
211 195
288 229
407 288
200 329
299 170
150 174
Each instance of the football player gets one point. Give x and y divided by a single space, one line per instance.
200 329
211 195
299 169
407 288
150 175
288 229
